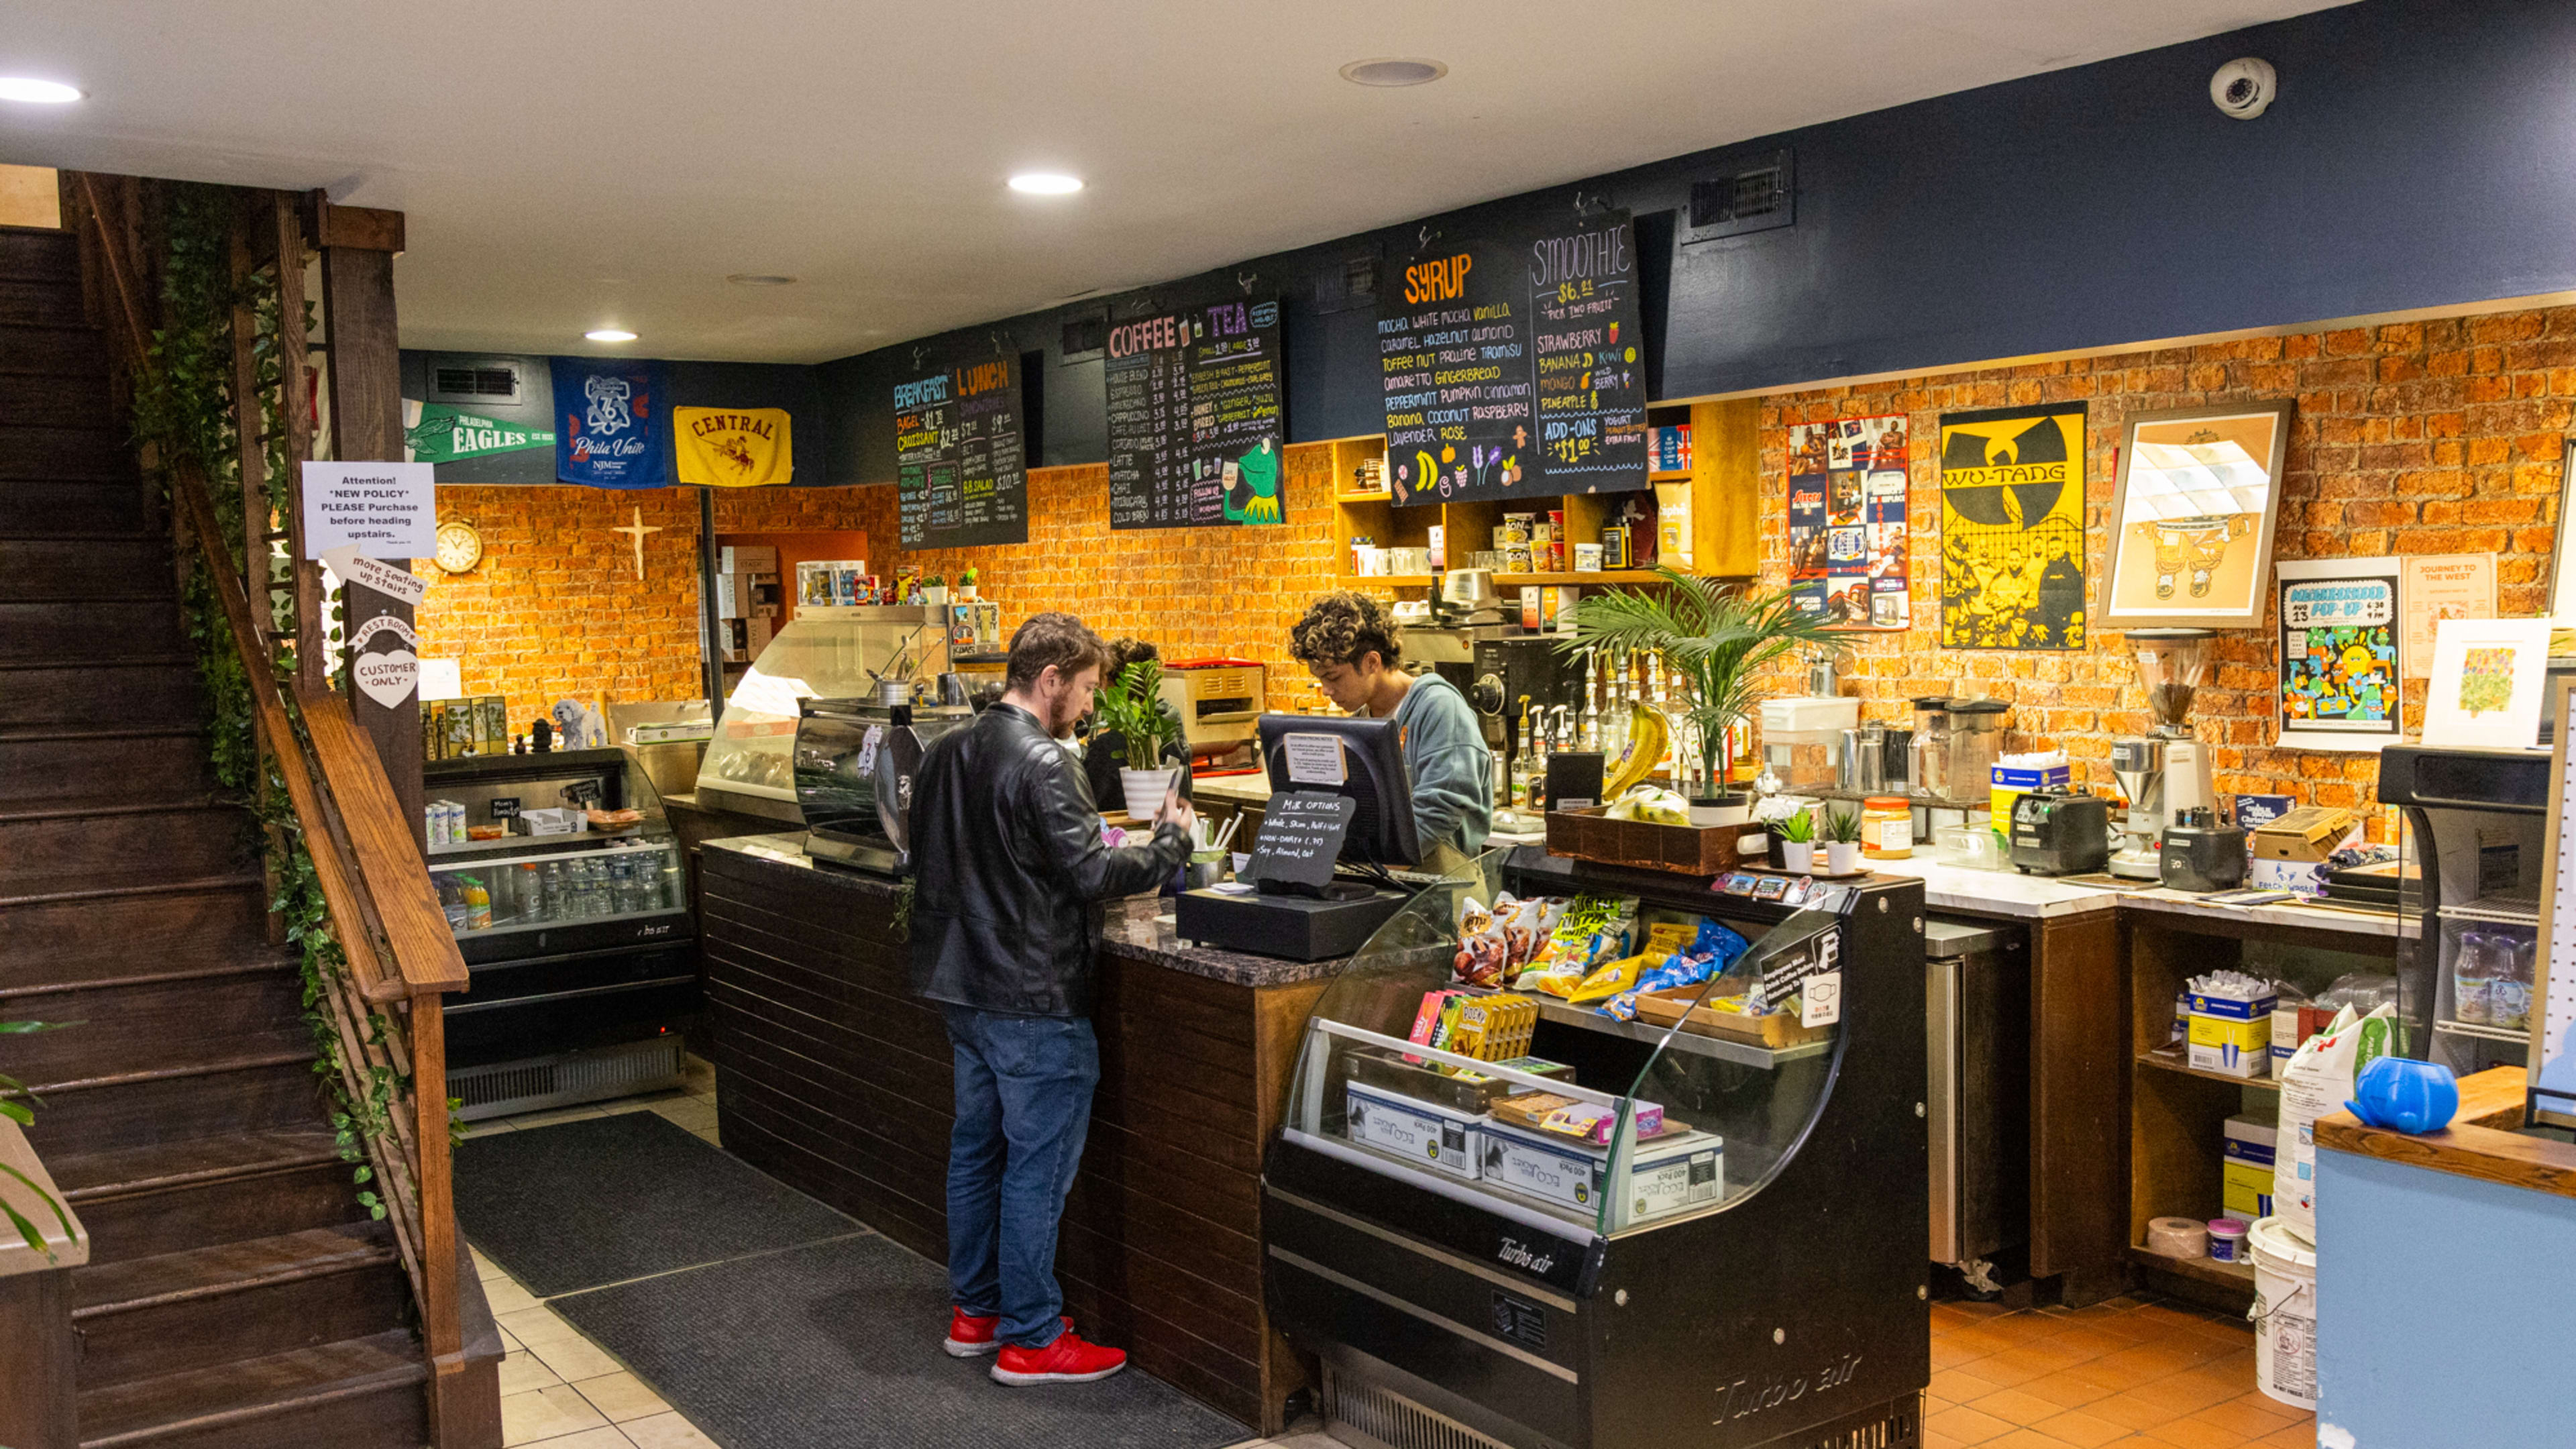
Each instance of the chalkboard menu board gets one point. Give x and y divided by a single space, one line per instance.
960 456
1513 364
1194 419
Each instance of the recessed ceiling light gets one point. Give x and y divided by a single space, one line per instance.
758 279
1392 72
37 92
1046 183
609 334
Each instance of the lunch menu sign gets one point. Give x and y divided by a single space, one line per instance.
961 456
1513 363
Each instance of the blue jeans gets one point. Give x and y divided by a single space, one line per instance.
1024 1087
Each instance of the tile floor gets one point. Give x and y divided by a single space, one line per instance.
2134 1372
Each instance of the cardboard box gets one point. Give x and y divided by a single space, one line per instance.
1679 1170
2232 1047
2245 1190
748 559
553 821
2249 1139
2306 835
1424 1133
2235 1008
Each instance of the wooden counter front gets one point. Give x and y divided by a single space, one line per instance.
833 1077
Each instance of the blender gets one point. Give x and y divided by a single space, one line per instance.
2164 772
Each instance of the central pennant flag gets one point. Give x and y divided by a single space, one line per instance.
733 447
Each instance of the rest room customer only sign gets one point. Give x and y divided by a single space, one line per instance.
383 510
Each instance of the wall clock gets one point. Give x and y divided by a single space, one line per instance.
460 548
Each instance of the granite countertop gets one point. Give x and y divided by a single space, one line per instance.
2010 893
1138 928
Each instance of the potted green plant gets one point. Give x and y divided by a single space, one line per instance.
934 589
1131 711
1793 842
1720 638
1842 840
966 586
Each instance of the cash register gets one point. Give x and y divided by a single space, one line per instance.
1291 905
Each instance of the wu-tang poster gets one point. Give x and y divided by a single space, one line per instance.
2012 528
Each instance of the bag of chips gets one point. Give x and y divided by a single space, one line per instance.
1594 931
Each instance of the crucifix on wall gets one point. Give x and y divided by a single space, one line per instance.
639 528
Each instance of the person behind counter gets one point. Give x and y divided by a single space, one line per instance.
1008 864
1355 650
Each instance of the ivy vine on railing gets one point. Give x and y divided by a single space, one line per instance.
184 405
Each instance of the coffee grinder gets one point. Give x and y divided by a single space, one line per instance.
2165 772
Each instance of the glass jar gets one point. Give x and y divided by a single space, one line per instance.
1886 828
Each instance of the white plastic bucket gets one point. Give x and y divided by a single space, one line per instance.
2284 1313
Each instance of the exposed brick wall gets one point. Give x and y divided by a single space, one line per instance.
2431 437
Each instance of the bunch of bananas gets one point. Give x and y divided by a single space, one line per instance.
1648 735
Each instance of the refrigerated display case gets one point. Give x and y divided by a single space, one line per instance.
1746 1271
2474 823
582 948
826 652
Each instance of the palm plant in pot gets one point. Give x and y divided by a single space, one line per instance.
1131 712
1720 639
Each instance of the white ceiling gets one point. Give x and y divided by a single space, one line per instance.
571 166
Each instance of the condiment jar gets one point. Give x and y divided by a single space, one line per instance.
1886 828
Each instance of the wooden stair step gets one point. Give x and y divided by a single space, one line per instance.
54 400
167 1197
265 1092
74 895
53 351
42 772
43 303
219 1305
99 691
357 1391
101 453
51 630
158 1167
154 842
92 508
156 1027
40 254
56 567
75 939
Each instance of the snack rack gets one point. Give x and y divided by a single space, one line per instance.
1740 1274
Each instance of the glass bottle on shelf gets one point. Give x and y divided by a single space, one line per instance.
528 897
2472 982
550 900
2512 955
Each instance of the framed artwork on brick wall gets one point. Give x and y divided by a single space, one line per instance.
2562 552
2342 638
2192 515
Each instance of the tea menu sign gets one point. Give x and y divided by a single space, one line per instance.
1195 426
961 459
1514 363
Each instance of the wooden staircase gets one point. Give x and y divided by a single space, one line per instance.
237 1292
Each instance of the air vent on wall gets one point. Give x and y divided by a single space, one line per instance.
1759 197
1348 283
1085 334
491 383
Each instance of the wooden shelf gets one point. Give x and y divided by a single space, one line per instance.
2176 1064
1679 475
2239 1276
1510 581
1363 498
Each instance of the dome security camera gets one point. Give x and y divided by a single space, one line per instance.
2243 88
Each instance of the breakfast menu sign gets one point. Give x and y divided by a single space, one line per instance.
960 456
1194 415
1513 363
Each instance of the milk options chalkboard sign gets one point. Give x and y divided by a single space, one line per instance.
1194 414
1513 364
960 456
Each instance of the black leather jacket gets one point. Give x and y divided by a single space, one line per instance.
1008 870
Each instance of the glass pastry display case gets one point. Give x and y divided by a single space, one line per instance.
580 942
1693 1218
826 652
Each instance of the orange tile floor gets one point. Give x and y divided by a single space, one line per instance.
2133 1371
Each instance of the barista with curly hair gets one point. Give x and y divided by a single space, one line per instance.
1355 650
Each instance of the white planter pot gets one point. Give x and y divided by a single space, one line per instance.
1842 857
935 596
1729 810
967 593
1144 789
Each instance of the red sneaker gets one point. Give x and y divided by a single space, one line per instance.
1068 1360
971 1337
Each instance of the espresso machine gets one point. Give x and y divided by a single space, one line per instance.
855 763
1513 667
2164 772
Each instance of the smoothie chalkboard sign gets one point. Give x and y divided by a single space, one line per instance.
1513 363
960 459
1194 417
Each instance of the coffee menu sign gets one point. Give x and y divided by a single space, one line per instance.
1514 363
960 455
1194 415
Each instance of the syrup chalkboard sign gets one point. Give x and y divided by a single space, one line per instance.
1513 363
960 454
1195 427
1301 836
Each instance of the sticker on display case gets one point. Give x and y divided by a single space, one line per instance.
1820 999
1315 759
1787 972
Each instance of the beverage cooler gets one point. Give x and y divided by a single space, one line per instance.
1736 1261
2469 899
581 946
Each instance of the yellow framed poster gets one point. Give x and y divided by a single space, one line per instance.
2012 528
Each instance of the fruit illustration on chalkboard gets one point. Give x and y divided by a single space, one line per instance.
1255 496
2486 681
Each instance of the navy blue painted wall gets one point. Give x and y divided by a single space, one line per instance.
2422 154
693 385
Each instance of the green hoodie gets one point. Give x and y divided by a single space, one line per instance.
1452 771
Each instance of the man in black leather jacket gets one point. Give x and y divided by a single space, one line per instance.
1009 870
